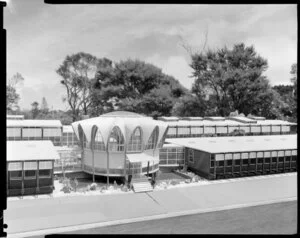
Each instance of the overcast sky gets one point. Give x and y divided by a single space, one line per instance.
40 36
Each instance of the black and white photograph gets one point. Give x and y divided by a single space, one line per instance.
149 118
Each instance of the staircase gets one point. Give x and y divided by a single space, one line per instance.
141 185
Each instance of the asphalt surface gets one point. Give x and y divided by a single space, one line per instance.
278 218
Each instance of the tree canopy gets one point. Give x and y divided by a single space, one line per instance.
78 70
136 86
235 78
12 97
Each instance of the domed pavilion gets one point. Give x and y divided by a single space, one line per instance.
120 143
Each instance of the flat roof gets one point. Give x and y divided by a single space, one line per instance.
191 118
31 150
238 143
33 123
227 122
242 119
68 129
15 117
172 145
168 118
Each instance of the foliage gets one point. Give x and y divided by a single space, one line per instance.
189 106
78 71
136 86
44 105
67 188
235 79
12 97
34 109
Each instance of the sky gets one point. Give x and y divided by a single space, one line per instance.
40 36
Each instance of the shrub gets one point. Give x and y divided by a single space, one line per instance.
93 187
174 182
102 189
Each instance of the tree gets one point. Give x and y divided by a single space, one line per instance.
235 77
136 86
78 71
12 97
295 91
44 105
189 106
35 109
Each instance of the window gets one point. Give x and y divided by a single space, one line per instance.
44 173
191 155
237 162
45 164
252 161
274 160
280 159
294 158
98 143
30 174
267 160
228 162
152 140
212 163
16 175
288 158
245 162
260 160
135 142
116 140
220 163
15 166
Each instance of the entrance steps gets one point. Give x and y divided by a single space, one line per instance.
141 185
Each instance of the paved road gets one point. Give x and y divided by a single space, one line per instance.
279 218
59 213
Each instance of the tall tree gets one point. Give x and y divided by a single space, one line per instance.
35 109
44 105
12 97
235 76
295 91
78 71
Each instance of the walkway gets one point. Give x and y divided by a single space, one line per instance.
82 212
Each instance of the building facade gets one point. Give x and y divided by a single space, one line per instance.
30 167
223 157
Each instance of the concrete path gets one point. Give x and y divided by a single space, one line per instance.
42 216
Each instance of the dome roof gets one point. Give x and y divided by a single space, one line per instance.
121 114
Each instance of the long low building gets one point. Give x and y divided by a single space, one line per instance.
219 157
34 130
30 167
220 126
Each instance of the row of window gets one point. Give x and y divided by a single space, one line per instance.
29 174
116 141
198 130
238 162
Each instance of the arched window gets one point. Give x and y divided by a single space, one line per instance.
98 141
152 140
116 140
135 142
162 140
83 141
